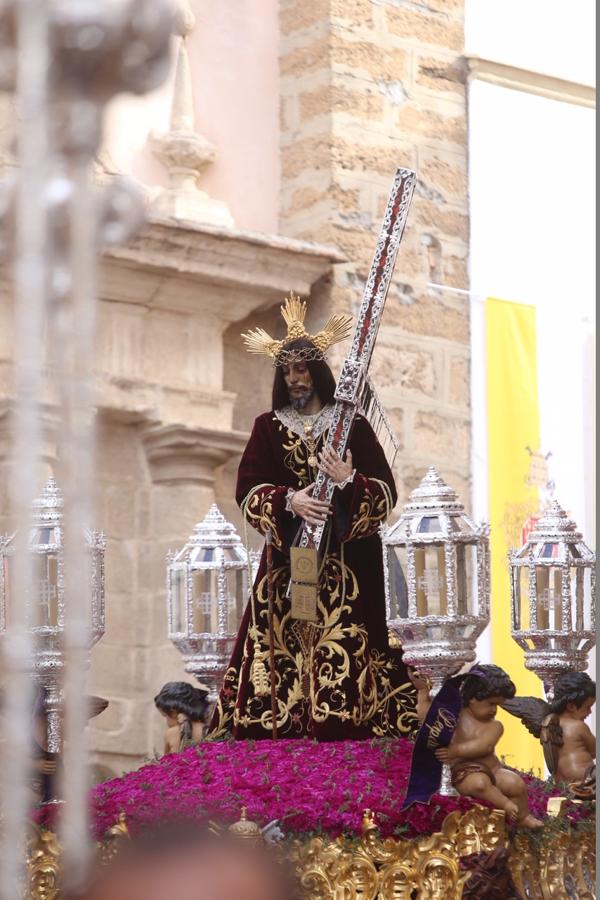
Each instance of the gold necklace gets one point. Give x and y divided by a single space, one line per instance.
308 422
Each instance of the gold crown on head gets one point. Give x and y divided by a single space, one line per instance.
293 310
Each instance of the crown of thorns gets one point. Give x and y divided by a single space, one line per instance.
293 310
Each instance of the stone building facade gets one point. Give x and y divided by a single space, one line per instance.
362 86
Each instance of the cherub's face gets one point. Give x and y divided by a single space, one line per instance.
485 710
583 711
170 716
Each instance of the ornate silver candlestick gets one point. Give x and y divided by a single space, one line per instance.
207 587
553 597
438 576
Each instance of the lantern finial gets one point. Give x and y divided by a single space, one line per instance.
554 524
47 508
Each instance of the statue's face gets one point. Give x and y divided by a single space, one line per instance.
299 383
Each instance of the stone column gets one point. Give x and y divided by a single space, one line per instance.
367 87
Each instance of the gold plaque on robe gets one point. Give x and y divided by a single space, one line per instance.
304 601
304 570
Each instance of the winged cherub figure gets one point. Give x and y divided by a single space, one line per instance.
569 745
476 770
185 709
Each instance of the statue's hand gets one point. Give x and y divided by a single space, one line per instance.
337 469
421 682
444 754
304 505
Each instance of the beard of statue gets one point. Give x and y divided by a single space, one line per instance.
300 400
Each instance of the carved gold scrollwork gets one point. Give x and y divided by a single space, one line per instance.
427 868
43 865
113 839
563 867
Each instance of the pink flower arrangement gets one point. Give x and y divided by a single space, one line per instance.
309 787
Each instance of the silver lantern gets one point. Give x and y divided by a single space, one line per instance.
46 607
553 597
207 587
437 582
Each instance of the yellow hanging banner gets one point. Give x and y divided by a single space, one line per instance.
513 435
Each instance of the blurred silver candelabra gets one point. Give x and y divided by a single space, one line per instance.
46 605
64 61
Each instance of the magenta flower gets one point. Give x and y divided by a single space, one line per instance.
309 787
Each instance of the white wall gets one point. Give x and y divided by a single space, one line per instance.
556 37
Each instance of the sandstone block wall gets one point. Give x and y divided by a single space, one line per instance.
366 87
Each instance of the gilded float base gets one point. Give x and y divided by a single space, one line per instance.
434 867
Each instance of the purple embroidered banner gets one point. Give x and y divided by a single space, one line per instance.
436 731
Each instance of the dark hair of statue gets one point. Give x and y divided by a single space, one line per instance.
492 682
572 687
181 697
321 374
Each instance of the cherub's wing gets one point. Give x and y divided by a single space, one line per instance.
551 737
530 710
95 705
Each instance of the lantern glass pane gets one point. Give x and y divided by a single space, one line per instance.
588 600
235 582
202 555
205 601
46 535
397 569
548 581
179 605
466 579
523 594
581 597
44 611
459 523
550 551
430 571
428 525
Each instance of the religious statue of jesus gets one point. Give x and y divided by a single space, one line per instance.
336 676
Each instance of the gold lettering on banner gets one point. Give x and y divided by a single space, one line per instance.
444 719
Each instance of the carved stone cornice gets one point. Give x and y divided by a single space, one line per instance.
202 269
180 455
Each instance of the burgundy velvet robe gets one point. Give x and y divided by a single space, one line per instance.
337 678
